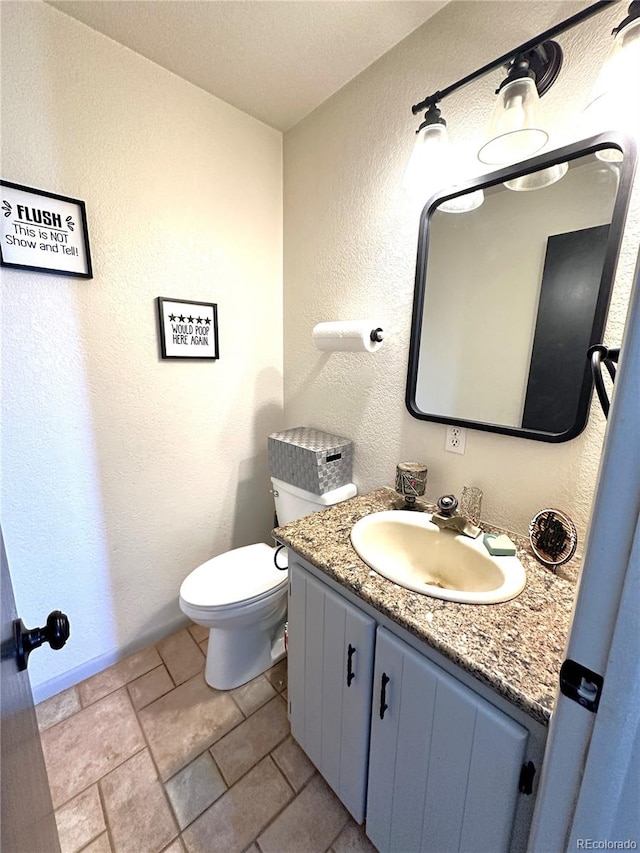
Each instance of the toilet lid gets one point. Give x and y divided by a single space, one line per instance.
237 576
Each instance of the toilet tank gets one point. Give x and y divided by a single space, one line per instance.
293 503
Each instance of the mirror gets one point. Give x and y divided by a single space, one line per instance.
510 295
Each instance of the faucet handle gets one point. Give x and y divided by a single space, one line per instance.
447 505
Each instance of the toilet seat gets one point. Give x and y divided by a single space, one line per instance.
238 577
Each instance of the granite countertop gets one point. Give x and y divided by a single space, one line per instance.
516 647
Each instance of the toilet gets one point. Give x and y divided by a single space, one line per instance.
241 597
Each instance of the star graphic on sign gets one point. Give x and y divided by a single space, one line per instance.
181 318
190 319
207 320
199 320
172 317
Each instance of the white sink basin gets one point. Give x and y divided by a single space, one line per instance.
408 549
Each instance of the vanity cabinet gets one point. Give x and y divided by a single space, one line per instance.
444 763
331 647
429 763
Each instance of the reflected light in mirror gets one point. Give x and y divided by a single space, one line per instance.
431 169
538 180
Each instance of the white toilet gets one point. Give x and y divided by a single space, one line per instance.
242 597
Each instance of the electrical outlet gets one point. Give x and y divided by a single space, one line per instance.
455 440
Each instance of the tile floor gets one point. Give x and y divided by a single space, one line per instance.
145 757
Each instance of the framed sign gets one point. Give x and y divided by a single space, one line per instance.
43 232
188 329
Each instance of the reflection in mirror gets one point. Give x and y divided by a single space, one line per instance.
510 296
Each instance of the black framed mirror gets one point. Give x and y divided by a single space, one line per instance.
513 281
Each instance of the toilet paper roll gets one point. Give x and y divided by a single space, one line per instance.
347 336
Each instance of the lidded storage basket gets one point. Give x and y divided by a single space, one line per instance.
310 459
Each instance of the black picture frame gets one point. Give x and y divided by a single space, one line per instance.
191 334
52 238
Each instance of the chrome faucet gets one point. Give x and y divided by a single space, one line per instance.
447 517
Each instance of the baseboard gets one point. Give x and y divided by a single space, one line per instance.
92 667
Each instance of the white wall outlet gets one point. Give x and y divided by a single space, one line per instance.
455 440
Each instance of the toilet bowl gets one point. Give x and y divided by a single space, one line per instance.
241 597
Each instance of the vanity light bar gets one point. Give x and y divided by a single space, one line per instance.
527 46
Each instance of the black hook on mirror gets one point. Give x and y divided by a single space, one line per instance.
600 355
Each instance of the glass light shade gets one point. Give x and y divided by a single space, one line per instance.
538 180
614 102
430 152
431 168
515 130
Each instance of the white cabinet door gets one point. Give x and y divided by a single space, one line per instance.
444 763
330 676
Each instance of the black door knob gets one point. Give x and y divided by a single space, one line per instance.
55 632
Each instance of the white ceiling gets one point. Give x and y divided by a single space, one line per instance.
274 59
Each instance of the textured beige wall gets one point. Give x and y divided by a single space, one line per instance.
122 472
350 248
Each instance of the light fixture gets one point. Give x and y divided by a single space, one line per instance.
516 129
610 105
431 166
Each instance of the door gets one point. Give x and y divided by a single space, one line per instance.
28 824
444 763
608 575
330 672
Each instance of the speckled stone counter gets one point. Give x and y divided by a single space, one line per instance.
515 648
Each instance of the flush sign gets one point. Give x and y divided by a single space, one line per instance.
43 232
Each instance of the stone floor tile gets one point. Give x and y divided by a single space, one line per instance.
57 708
181 656
233 821
80 821
253 695
198 632
175 847
100 845
241 749
118 675
277 675
183 723
293 763
204 646
137 810
352 839
149 687
194 788
309 823
82 748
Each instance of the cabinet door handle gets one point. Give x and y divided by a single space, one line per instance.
350 673
383 694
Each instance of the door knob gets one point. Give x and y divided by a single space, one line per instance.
55 632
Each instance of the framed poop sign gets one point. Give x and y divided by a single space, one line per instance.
188 329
